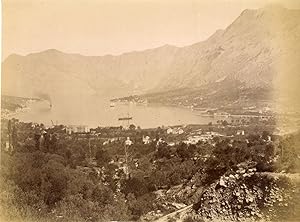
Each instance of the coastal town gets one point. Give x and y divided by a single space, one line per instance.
158 171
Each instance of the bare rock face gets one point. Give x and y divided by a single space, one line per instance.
251 50
259 48
245 195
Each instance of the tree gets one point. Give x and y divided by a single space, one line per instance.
132 127
53 143
175 178
102 157
183 152
157 179
265 135
14 138
54 182
163 151
224 123
103 195
140 205
137 186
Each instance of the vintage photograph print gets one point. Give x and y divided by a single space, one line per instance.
150 110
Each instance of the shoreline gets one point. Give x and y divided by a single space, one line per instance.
22 107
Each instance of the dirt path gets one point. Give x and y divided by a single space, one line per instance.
295 177
176 214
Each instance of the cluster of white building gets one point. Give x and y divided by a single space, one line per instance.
194 139
176 131
77 129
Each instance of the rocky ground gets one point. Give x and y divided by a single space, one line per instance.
242 195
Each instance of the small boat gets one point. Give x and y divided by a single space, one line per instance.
125 118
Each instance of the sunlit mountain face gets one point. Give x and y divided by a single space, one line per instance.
259 49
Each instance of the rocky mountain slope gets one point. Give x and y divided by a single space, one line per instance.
249 50
259 49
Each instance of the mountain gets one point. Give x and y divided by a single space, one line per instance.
55 72
249 50
259 49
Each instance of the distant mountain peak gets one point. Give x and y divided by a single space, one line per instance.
47 52
168 46
52 51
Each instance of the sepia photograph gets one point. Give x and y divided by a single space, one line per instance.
150 110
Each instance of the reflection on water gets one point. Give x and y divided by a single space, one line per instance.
96 111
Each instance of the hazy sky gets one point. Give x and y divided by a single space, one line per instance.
98 27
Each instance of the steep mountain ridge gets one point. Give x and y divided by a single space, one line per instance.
251 50
248 50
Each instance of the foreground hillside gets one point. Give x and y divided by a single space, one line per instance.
52 174
259 49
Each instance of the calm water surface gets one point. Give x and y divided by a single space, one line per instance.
96 111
